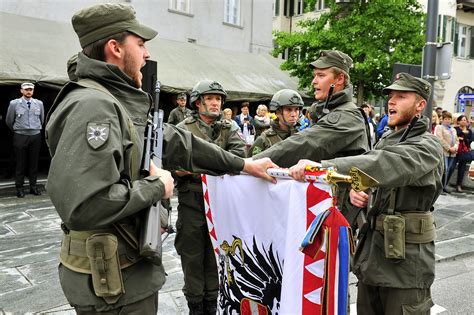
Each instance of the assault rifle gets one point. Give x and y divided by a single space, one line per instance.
150 235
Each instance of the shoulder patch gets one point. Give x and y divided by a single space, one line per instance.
97 134
333 117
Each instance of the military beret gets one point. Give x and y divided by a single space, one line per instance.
27 85
103 20
332 58
181 96
407 82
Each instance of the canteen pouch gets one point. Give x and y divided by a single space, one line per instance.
394 236
102 251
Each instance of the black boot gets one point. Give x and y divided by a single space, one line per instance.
34 191
210 307
195 308
20 193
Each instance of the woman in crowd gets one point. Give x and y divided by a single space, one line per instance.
261 121
464 155
434 121
449 140
228 117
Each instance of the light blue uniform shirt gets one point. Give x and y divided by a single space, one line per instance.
23 120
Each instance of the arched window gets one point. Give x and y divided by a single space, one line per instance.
464 98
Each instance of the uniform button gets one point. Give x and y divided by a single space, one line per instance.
103 281
390 246
390 230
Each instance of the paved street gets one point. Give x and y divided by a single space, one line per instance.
30 241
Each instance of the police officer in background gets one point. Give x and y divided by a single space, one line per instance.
395 257
179 113
25 117
193 244
95 136
341 128
287 105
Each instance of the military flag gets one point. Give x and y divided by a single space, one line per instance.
280 248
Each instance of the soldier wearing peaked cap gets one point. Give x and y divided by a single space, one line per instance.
95 134
341 128
179 113
395 256
25 117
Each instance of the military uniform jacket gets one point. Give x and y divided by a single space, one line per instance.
177 115
270 137
342 132
414 167
25 120
90 179
221 133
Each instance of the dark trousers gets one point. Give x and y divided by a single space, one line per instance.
461 171
372 300
147 306
27 149
450 165
193 244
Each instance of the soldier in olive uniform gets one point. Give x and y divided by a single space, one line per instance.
179 113
193 244
95 136
286 104
341 129
395 258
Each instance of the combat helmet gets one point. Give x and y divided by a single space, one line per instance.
206 87
286 97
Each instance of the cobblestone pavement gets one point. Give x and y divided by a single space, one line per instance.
30 241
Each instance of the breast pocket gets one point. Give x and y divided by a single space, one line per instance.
20 112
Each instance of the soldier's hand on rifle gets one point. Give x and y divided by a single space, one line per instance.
298 171
165 178
258 168
358 199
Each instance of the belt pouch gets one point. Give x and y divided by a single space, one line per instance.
102 251
394 236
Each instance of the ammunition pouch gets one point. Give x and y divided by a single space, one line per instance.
394 236
102 251
101 254
419 226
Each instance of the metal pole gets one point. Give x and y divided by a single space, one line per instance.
429 53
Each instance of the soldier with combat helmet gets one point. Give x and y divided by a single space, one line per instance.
395 256
193 244
287 105
179 113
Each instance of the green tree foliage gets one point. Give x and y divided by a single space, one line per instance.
375 33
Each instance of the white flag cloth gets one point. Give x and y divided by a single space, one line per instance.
256 229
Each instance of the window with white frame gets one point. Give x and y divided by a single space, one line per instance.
464 34
276 7
180 5
299 7
321 5
232 12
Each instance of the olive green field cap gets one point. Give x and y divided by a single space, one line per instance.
407 82
103 20
181 96
332 58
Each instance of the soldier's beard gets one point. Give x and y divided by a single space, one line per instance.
132 70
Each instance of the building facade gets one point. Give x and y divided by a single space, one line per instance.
237 25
